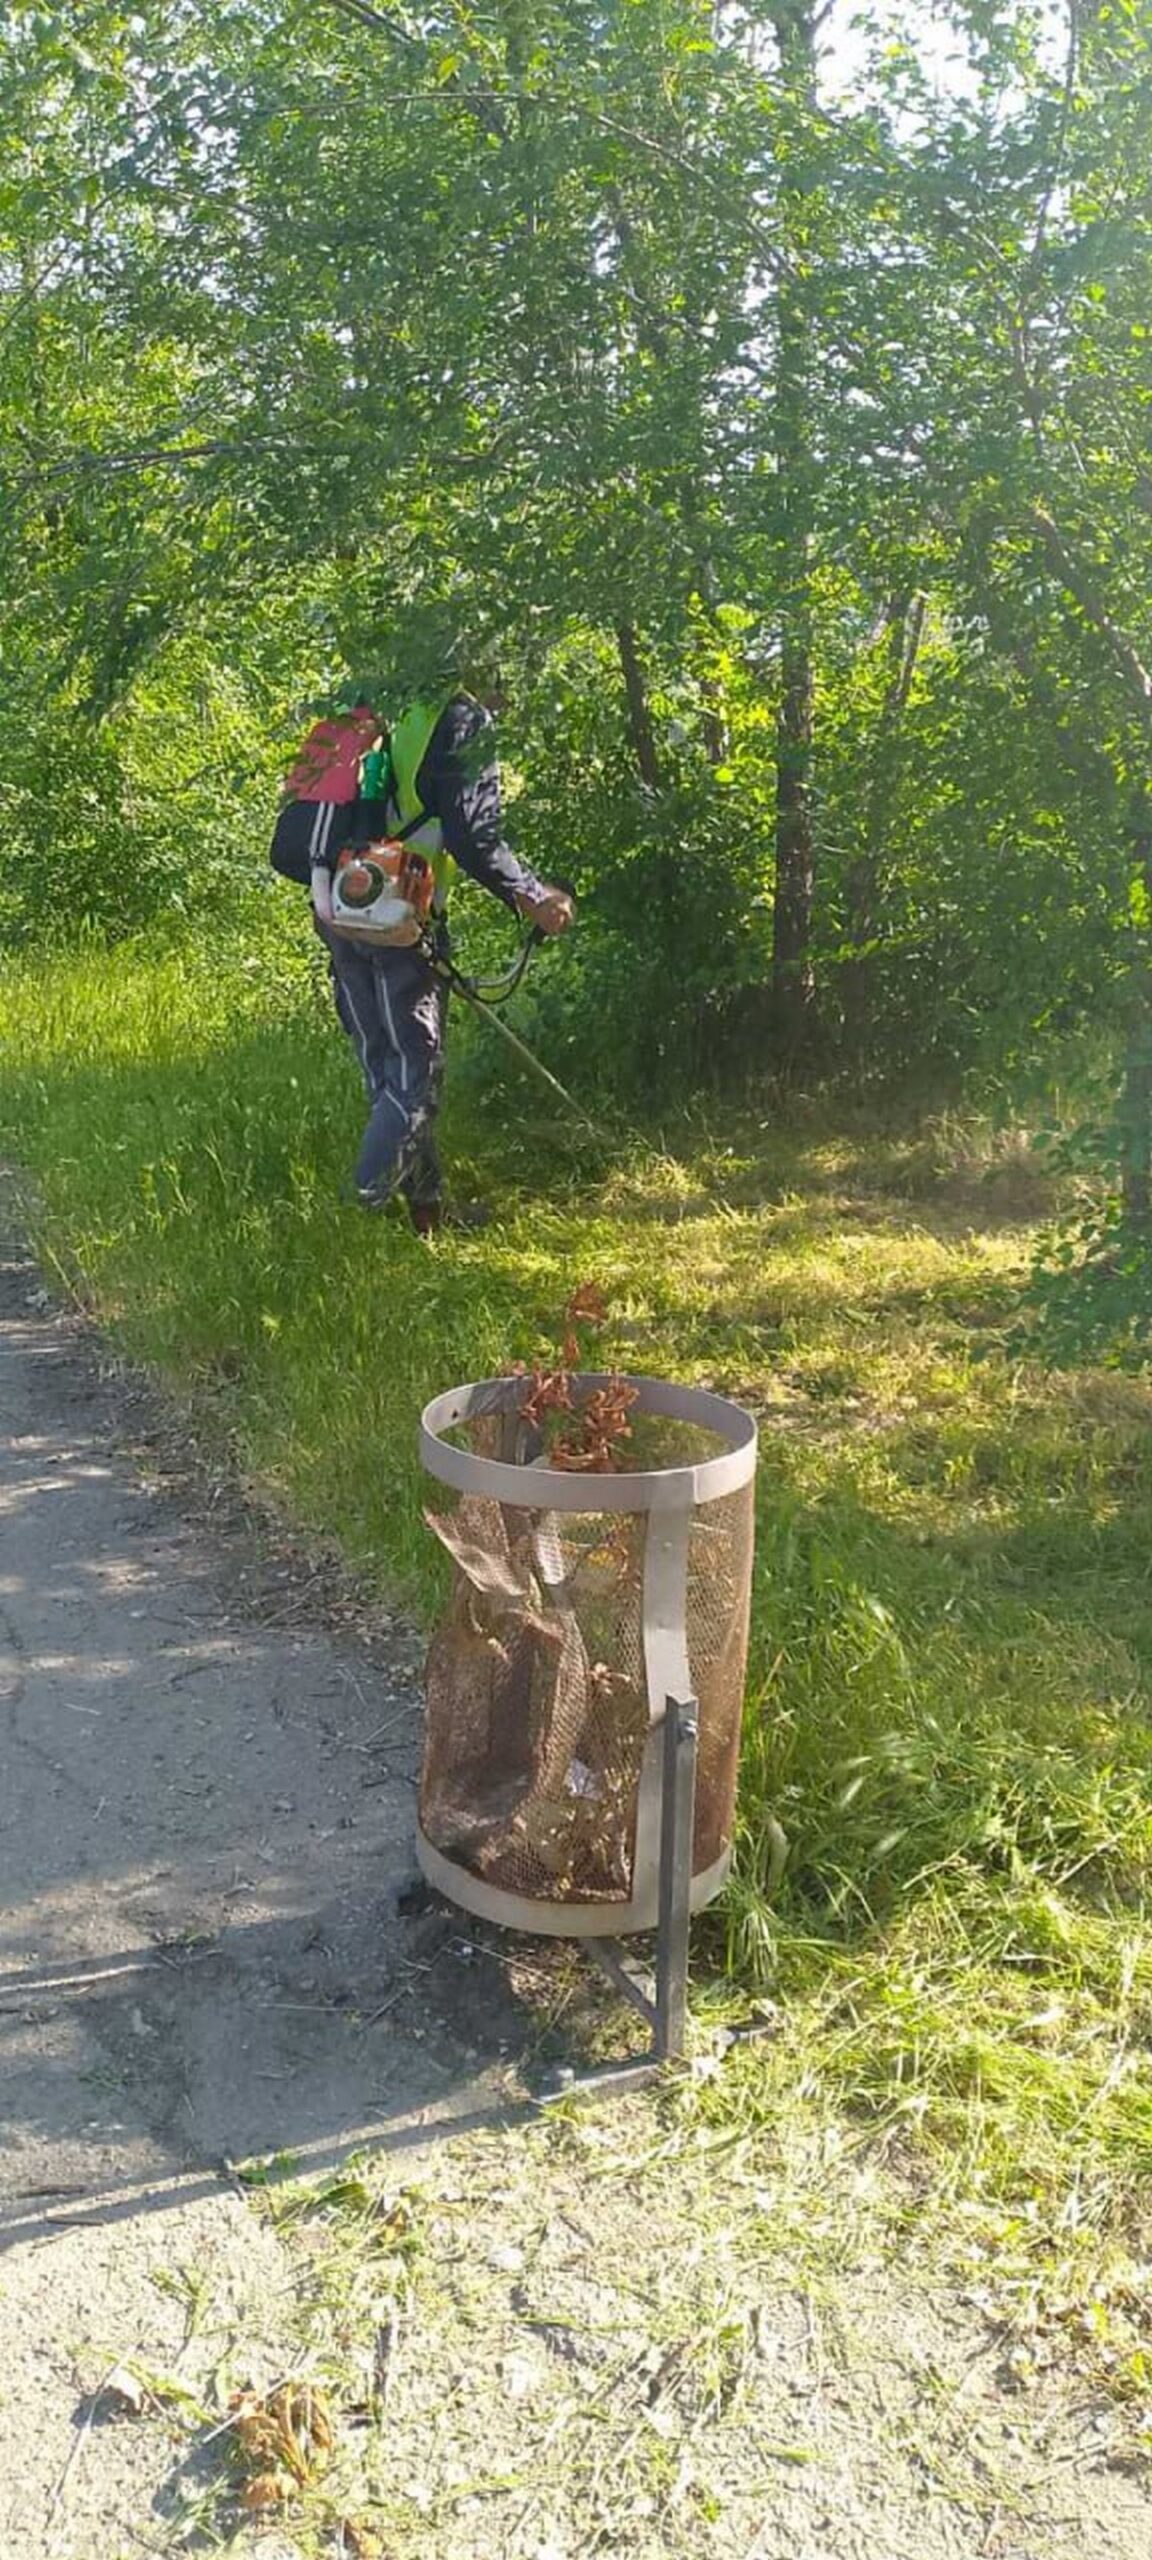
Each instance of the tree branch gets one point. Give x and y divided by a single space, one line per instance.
380 23
639 719
1053 179
377 19
1084 592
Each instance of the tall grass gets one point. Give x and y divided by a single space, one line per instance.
946 1809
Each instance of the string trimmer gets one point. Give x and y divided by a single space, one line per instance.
487 994
383 894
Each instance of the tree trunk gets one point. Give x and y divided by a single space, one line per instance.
652 333
1079 582
905 629
639 717
1136 1099
793 983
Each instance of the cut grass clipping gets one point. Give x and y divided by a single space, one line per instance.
946 1803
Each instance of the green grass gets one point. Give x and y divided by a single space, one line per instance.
949 1726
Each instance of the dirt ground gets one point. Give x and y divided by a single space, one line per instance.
538 2338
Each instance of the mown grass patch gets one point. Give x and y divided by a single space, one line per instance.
947 1789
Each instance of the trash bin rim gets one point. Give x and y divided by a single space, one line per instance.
537 1488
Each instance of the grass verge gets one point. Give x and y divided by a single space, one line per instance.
947 1788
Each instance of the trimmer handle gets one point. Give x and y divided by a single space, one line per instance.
535 935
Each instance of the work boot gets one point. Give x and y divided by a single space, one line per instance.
434 1217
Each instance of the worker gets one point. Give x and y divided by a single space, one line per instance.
437 771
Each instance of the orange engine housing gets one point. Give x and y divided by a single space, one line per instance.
382 892
386 869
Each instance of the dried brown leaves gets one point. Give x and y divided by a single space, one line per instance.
283 2442
593 1444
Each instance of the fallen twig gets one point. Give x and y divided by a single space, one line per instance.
61 2489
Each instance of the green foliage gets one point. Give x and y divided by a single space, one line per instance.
522 358
156 815
1090 1295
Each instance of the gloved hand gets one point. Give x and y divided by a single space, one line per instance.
322 893
552 913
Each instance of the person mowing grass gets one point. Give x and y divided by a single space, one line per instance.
376 858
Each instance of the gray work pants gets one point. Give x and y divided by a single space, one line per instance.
392 1006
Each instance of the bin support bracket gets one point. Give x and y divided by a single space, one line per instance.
661 1998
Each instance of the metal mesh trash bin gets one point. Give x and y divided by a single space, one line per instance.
581 1604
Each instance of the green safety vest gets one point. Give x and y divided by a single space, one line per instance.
407 747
